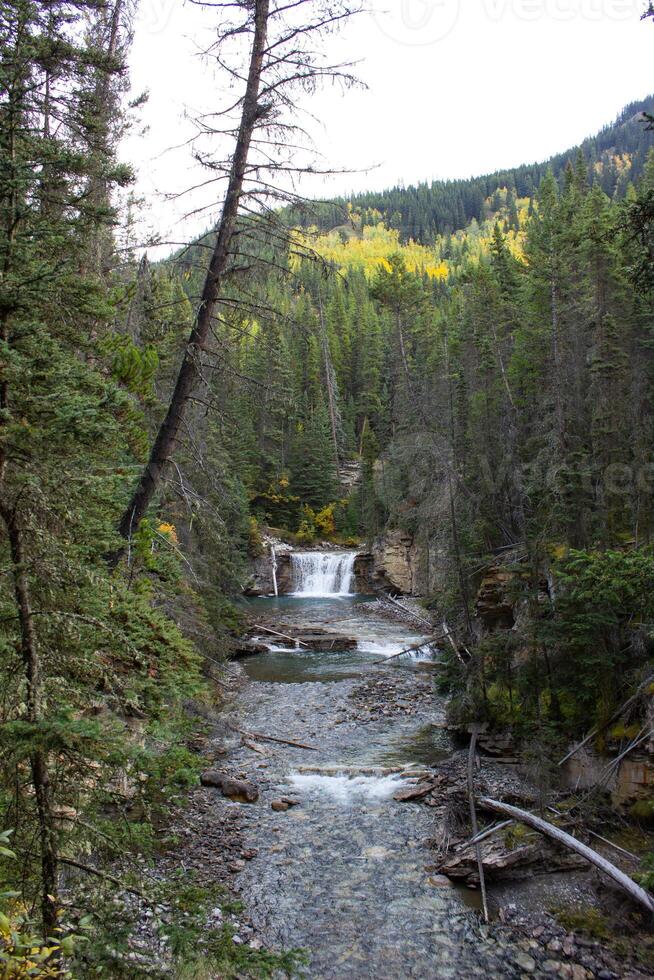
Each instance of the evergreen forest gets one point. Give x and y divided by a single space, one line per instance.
467 362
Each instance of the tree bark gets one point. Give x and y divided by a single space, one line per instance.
523 816
473 820
38 758
189 372
329 383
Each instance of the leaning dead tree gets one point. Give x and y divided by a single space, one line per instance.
626 883
272 51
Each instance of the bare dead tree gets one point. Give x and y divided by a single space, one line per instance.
270 151
331 385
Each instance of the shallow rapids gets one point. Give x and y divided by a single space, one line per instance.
344 874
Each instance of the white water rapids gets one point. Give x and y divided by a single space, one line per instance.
346 789
319 574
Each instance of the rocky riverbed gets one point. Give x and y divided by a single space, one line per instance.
334 805
341 861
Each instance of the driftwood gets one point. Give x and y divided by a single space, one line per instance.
642 736
90 870
473 820
566 840
282 741
616 847
489 831
400 771
409 612
284 636
448 636
614 716
416 646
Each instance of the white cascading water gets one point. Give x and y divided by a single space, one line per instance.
322 573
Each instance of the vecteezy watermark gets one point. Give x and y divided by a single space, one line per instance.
418 22
423 22
154 16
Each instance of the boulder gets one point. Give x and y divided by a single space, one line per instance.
415 792
284 803
501 862
249 647
241 790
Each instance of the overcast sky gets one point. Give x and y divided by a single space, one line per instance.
455 88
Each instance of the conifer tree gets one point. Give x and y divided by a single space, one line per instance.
313 473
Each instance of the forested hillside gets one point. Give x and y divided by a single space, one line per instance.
470 363
616 156
495 387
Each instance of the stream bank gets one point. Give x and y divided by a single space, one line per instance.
343 869
339 852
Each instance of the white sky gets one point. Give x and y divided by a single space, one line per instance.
455 88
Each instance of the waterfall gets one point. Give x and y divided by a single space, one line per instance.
273 562
322 573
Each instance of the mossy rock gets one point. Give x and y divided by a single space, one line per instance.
643 810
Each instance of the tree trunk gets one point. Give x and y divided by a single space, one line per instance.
329 383
473 820
38 758
523 816
189 372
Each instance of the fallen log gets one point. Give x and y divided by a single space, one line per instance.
282 741
417 792
489 831
566 840
409 612
400 771
284 636
90 870
616 847
608 771
457 652
473 820
416 646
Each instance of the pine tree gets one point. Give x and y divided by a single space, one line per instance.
313 474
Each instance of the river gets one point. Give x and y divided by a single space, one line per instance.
345 874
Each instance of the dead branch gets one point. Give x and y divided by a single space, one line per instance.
616 714
416 646
105 877
282 741
473 821
284 636
409 612
566 840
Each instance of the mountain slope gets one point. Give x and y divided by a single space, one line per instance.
616 156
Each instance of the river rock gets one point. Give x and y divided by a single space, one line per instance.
241 790
525 962
439 881
280 806
501 863
416 792
249 647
